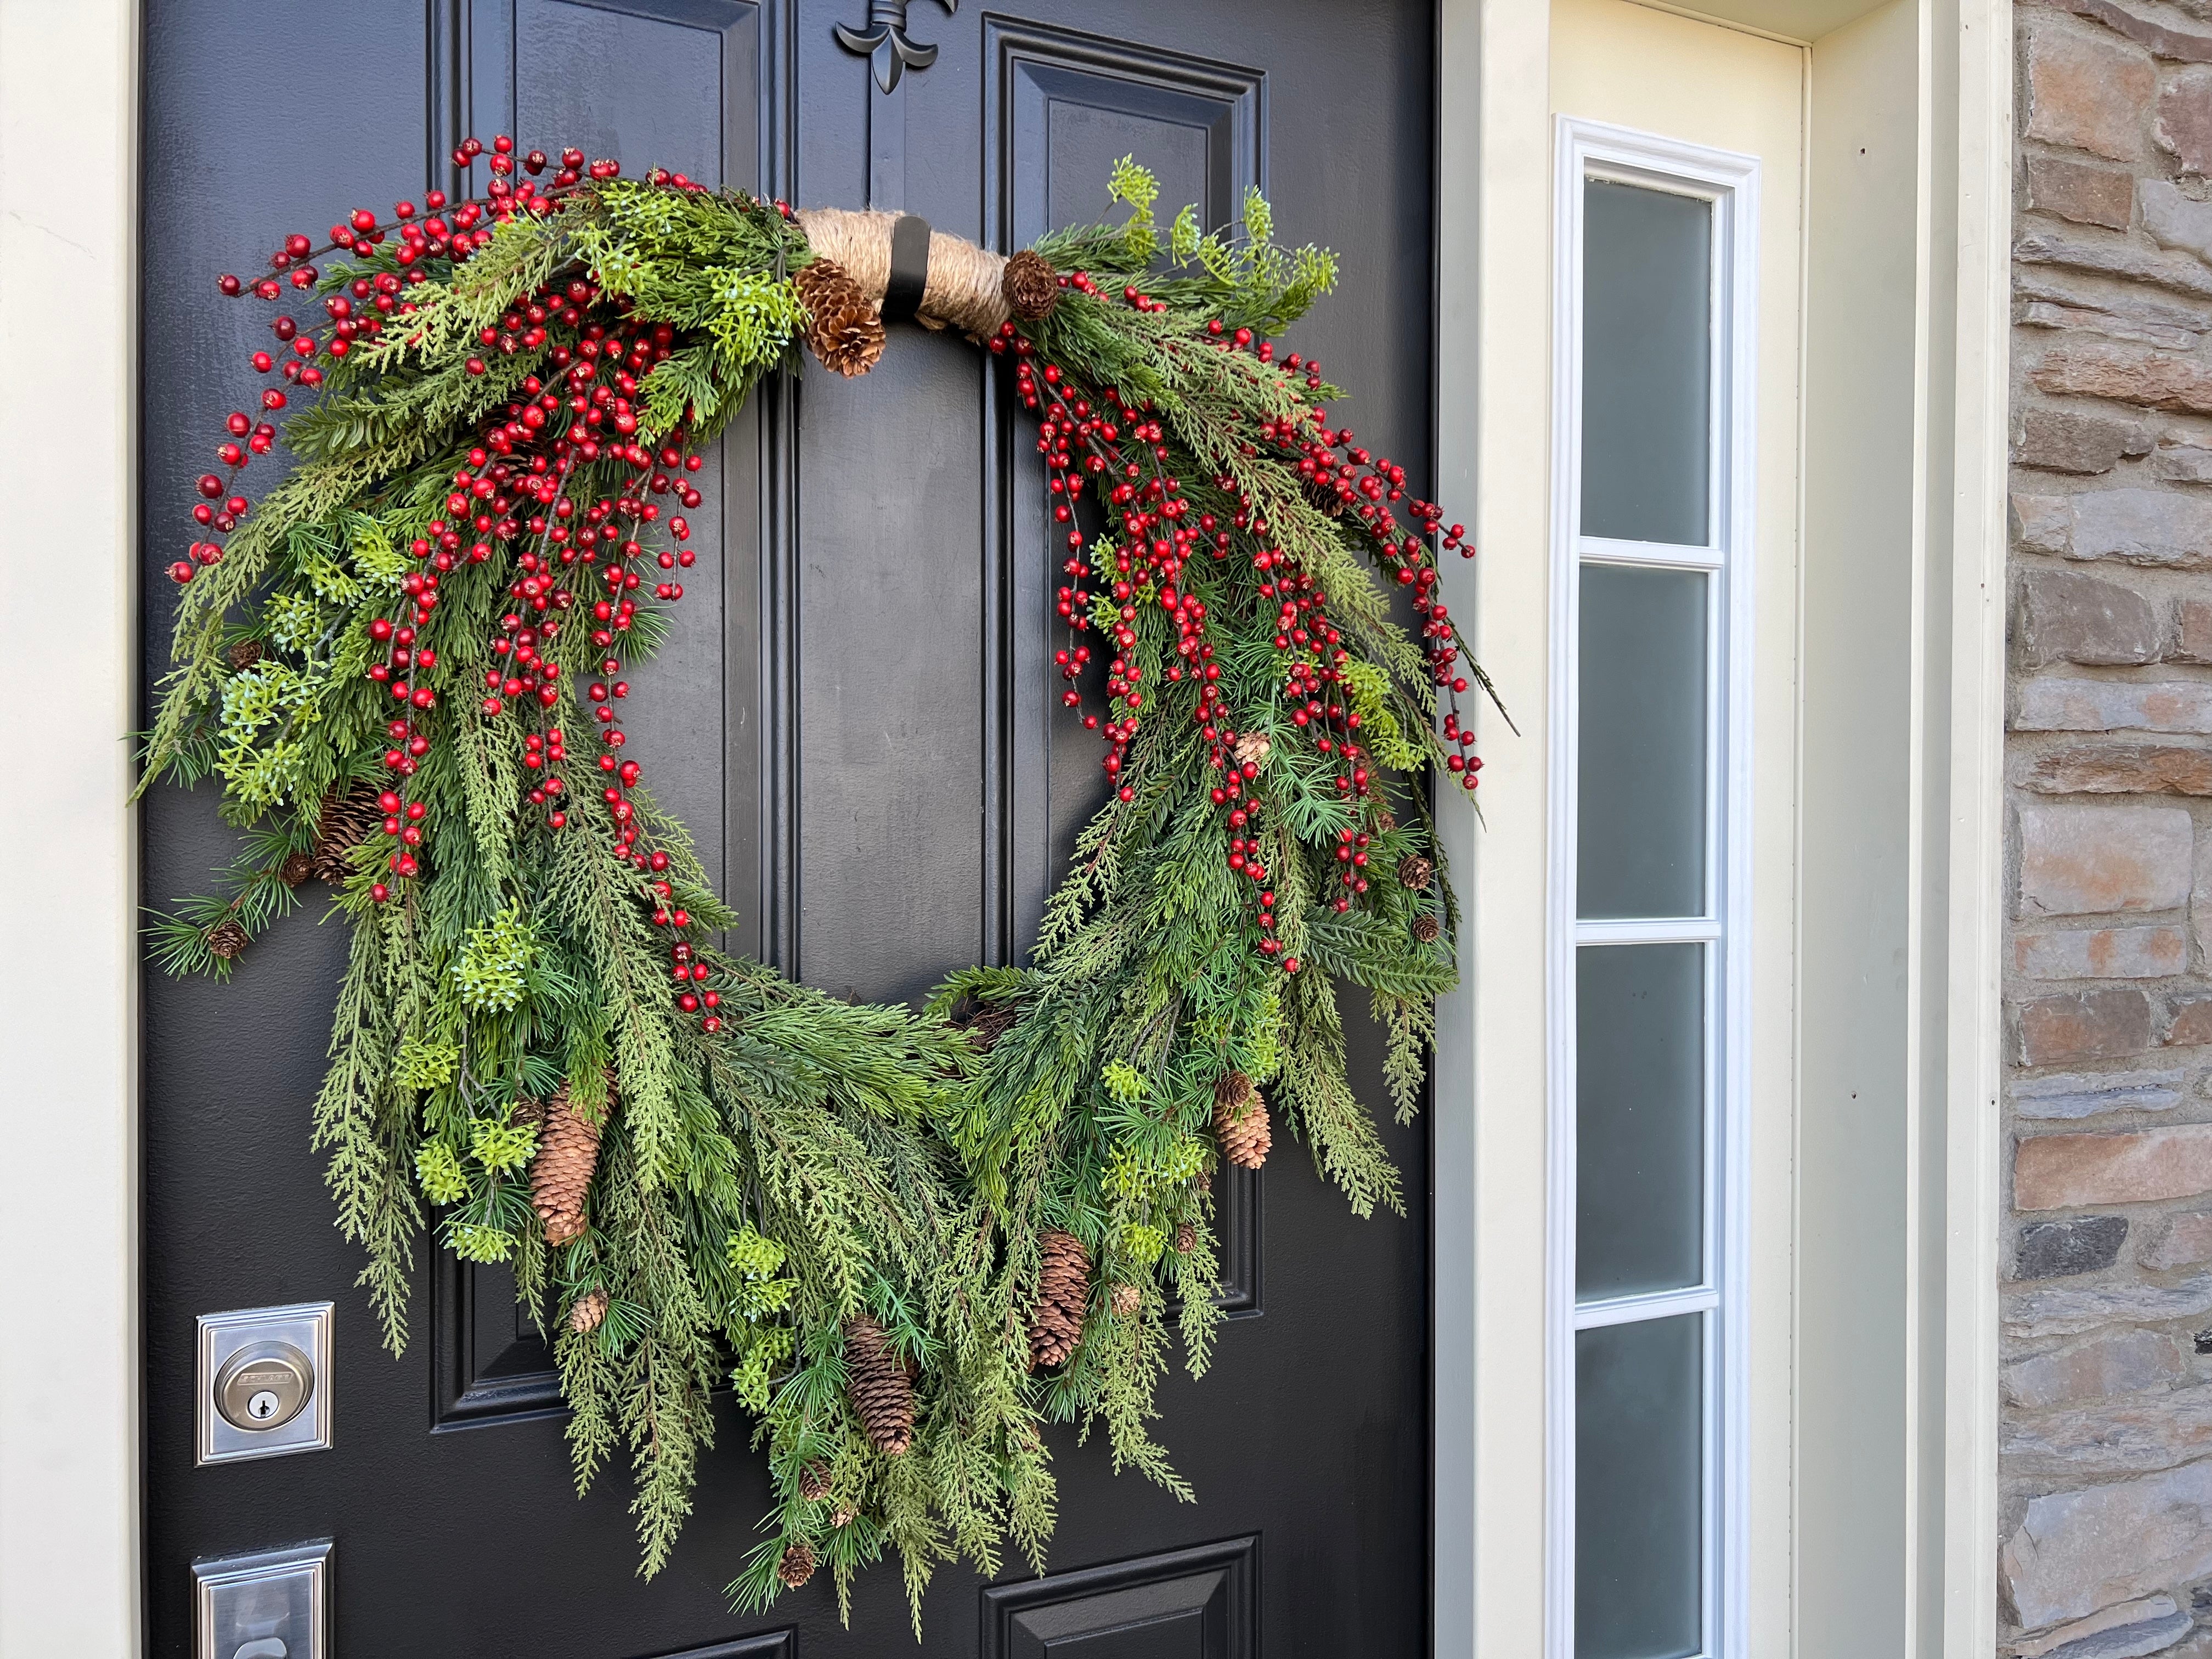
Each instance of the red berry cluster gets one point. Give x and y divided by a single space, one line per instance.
578 420
1081 436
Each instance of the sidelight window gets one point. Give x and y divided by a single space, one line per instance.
1649 904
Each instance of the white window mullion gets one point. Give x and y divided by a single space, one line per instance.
1637 1278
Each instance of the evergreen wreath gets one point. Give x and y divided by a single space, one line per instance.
906 1238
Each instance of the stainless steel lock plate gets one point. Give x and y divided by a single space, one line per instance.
275 1604
264 1382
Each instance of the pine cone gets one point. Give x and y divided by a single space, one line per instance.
847 330
560 1174
347 818
841 1517
1186 1239
1127 1299
1252 748
1031 286
1240 1122
587 1313
1063 1297
228 938
1415 871
295 869
1385 820
814 1481
877 1384
1426 928
797 1563
245 653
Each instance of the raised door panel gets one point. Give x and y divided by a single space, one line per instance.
680 81
1199 1603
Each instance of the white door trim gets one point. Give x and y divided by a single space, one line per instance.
70 1372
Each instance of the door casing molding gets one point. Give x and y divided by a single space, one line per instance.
1936 1536
69 1509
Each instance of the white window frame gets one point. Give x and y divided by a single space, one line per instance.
1586 150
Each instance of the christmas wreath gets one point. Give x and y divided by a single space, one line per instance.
905 1237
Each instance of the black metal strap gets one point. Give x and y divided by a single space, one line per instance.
909 268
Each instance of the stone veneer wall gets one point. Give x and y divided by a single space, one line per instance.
2107 1454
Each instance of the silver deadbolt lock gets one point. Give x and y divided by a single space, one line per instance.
264 1382
264 1385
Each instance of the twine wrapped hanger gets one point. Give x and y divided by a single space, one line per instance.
871 268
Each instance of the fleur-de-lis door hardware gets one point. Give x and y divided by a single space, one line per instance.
892 52
885 43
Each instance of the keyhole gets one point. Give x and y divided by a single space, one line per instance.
263 1405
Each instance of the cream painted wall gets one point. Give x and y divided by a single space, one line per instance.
1857 1103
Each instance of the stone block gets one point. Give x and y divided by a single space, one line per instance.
2086 92
2068 615
2102 953
2182 463
2122 768
2107 256
2051 313
2126 374
2175 220
2195 619
2067 440
2077 1553
2137 1166
2086 194
2126 313
2069 1095
2083 1026
2131 1435
2184 127
2178 1240
2127 1632
2048 704
2127 1362
2064 1250
2180 46
2189 1022
2200 907
2085 861
2050 1311
2142 527
2041 524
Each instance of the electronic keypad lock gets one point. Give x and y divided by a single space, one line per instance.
264 1382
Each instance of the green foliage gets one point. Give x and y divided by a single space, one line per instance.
494 962
809 1161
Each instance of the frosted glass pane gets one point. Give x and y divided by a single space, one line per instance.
1647 345
1642 773
1639 1503
1639 1119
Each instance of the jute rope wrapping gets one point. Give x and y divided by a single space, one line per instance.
963 289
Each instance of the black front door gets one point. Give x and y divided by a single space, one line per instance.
883 574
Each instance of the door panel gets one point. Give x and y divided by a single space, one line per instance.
1188 1604
876 765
